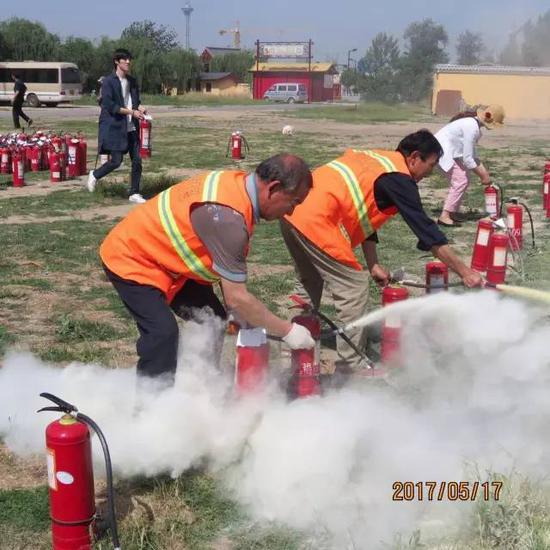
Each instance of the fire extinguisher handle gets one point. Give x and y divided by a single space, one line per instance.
53 409
61 404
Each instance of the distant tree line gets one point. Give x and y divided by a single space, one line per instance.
159 63
391 74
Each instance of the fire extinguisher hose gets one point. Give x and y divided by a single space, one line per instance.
335 329
109 473
64 406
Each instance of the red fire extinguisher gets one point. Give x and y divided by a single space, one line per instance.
437 277
18 168
492 205
480 254
498 255
55 166
305 363
252 361
83 146
391 330
35 153
71 478
547 166
45 155
545 189
515 226
237 145
145 129
5 160
73 158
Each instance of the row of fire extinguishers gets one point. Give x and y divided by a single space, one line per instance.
63 155
500 233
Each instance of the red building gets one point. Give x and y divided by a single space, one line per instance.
320 81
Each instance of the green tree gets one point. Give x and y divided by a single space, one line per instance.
102 62
469 48
349 79
238 63
425 43
180 69
380 67
28 40
536 46
149 44
159 37
511 54
82 52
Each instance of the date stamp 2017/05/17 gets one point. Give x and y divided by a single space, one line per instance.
446 490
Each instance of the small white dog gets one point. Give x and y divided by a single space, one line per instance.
288 130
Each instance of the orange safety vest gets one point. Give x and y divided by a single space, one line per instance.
156 244
340 212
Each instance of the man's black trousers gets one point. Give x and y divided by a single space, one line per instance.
157 346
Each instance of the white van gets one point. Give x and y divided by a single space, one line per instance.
48 82
288 92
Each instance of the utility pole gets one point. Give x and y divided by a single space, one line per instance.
349 55
187 11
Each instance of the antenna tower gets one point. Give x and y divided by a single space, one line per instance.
187 11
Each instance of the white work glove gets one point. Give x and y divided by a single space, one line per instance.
299 337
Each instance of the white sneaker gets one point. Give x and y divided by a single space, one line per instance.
137 198
91 182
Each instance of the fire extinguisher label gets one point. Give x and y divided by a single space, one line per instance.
499 257
545 183
491 205
50 462
511 219
64 477
56 174
483 237
145 139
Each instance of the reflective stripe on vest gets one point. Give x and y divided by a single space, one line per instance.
357 196
210 187
386 163
189 258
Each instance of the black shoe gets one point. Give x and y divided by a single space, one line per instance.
30 123
445 224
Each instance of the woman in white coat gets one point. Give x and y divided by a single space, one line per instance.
458 140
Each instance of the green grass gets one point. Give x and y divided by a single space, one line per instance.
71 330
57 203
361 113
25 509
5 338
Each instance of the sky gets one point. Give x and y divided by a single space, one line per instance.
334 30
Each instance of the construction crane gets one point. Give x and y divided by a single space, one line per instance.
236 32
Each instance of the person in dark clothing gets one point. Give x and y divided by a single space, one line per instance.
121 111
19 91
352 197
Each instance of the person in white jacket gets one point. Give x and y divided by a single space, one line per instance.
458 140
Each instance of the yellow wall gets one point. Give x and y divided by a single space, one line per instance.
522 96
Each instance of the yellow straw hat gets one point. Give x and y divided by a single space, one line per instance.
491 116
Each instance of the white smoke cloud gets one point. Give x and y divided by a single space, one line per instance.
473 390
